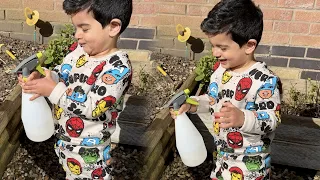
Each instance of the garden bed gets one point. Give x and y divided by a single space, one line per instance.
38 160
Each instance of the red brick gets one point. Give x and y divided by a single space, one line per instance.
58 6
277 14
198 10
134 21
296 3
166 31
192 22
267 25
157 20
310 16
15 14
142 8
1 14
275 38
305 40
192 1
213 2
317 4
315 29
54 16
172 8
36 5
10 4
266 3
291 27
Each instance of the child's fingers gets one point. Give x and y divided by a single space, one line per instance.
184 108
35 96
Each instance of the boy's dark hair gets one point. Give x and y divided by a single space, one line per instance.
103 10
241 18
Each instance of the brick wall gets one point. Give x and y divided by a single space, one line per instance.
291 34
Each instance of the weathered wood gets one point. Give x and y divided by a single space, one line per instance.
9 151
300 121
9 107
9 131
190 83
152 157
296 154
156 172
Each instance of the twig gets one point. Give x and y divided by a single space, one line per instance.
2 61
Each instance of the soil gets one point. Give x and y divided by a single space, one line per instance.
38 160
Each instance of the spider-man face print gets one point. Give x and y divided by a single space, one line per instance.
98 173
74 126
243 88
95 73
235 139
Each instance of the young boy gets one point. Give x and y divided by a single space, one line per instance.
88 87
243 96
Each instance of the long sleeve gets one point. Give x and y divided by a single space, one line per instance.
263 115
90 95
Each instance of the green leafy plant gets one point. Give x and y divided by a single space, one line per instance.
58 47
204 70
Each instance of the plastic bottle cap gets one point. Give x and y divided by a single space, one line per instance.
187 91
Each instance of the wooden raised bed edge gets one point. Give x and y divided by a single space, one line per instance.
160 138
10 127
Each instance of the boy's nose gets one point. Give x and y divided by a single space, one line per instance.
216 53
77 35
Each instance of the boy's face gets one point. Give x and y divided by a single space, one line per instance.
228 52
90 35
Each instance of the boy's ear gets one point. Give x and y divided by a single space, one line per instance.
251 46
114 27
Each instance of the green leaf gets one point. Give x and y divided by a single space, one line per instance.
200 77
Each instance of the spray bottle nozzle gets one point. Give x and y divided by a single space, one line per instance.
180 98
29 64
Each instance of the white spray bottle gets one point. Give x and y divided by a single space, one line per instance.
36 115
189 141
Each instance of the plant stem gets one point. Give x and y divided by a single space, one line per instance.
199 89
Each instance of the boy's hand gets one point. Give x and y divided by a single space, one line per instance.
183 108
40 87
32 76
229 116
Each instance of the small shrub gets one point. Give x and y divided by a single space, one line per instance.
58 47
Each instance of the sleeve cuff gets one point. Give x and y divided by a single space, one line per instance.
204 105
249 119
57 93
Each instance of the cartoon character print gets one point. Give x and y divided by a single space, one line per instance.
216 65
77 94
73 46
95 73
213 93
235 139
98 174
92 141
226 77
254 149
60 133
253 163
103 105
278 112
267 89
81 61
267 161
236 173
89 155
74 166
216 128
64 73
74 126
224 153
57 112
250 106
106 155
243 88
262 115
114 75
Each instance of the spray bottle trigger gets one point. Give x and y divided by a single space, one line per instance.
40 70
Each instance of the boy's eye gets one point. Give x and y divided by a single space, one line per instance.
85 30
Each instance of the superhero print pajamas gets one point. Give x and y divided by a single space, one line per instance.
243 153
87 101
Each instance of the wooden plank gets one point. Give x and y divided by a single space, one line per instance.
9 107
295 154
300 121
9 131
